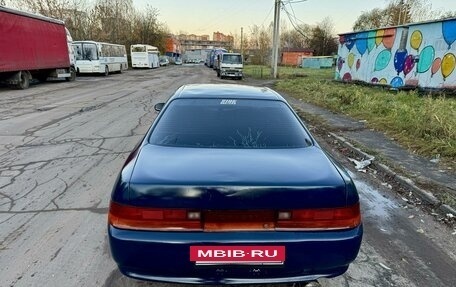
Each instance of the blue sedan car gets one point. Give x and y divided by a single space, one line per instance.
228 186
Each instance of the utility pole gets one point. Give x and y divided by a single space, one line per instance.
275 40
242 47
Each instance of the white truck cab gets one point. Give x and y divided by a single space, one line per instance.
230 65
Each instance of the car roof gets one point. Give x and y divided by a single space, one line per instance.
224 91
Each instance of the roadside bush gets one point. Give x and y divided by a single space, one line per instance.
425 124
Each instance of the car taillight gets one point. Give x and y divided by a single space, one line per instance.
139 218
319 219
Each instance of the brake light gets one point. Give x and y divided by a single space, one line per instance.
319 219
139 218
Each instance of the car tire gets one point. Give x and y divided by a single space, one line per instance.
24 80
72 76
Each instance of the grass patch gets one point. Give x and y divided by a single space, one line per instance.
424 124
285 72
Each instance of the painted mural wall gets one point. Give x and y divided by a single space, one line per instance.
419 55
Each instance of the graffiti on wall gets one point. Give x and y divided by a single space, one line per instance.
421 55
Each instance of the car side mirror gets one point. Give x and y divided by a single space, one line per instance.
158 107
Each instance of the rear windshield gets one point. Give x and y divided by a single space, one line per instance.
228 123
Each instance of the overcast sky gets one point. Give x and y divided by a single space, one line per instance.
228 16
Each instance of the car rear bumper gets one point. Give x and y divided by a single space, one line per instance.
165 256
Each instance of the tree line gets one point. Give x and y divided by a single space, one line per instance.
113 21
320 38
118 21
400 12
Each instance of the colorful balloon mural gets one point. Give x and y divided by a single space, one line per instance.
341 39
347 77
409 64
426 59
397 82
382 60
416 39
340 63
350 41
409 55
388 38
351 60
379 37
399 60
449 32
371 40
361 42
448 64
436 66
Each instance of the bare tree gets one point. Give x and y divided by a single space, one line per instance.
146 28
297 37
397 12
51 8
322 38
260 41
447 15
113 21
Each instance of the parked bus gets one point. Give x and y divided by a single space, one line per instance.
97 57
144 56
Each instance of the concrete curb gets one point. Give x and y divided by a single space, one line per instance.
405 182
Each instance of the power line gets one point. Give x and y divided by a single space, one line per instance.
294 14
295 25
269 13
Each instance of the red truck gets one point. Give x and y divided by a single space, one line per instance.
33 47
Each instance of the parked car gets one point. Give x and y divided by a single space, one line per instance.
164 61
228 186
178 61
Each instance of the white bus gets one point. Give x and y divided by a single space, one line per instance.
97 57
144 56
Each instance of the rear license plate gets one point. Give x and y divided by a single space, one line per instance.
262 255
